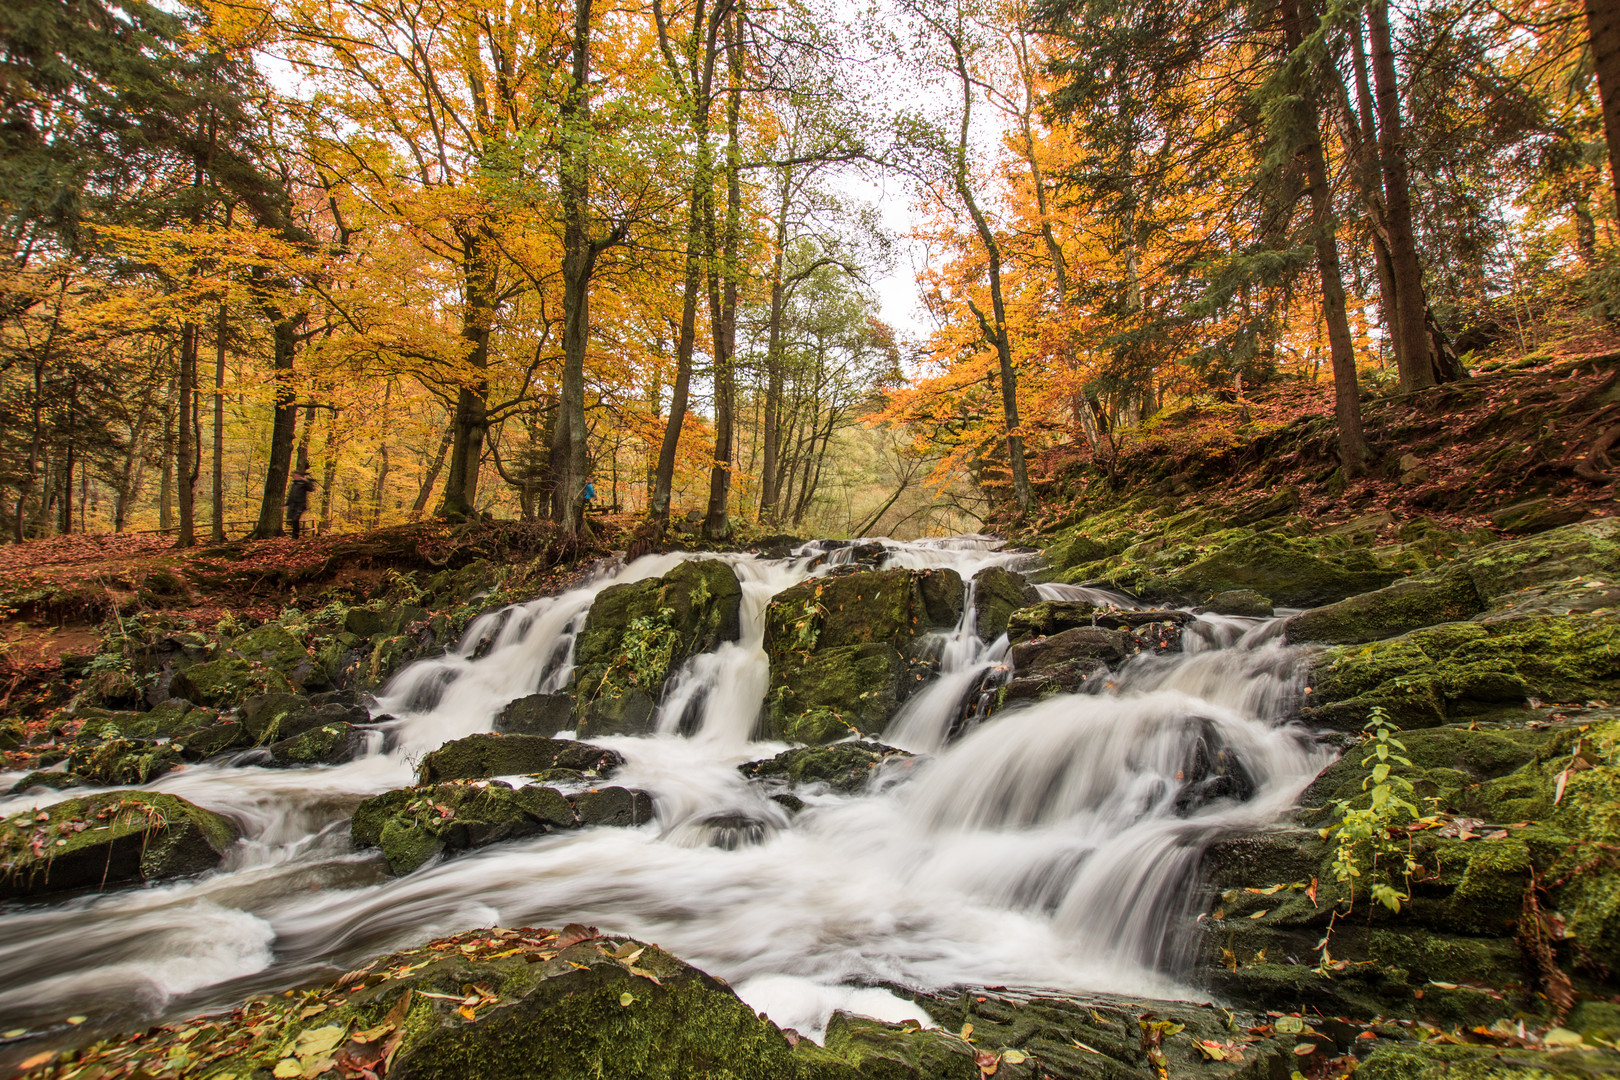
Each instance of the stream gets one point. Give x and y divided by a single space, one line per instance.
1041 847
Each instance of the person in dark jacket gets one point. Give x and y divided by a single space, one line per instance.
298 500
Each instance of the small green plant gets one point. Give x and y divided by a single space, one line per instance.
807 627
645 652
1375 835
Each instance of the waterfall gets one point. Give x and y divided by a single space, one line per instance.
1052 844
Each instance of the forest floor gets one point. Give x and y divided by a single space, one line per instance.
1521 446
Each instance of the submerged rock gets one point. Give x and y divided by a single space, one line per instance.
108 840
638 633
844 767
842 650
482 756
613 806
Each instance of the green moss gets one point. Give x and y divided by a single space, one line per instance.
845 766
109 839
835 692
639 632
412 825
997 593
329 744
1427 676
485 755
1389 612
227 681
1431 1061
117 762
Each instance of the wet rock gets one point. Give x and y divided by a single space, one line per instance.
942 596
1154 631
44 779
413 825
836 692
1245 603
214 739
997 593
329 744
261 714
613 806
1049 617
561 776
537 714
1213 771
638 633
1047 656
483 756
1389 612
844 767
108 840
842 650
1456 670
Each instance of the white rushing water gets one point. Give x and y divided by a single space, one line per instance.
1050 845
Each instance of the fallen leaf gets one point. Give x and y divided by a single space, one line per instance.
574 933
288 1067
36 1061
1303 1049
1261 913
627 999
1014 1057
987 1061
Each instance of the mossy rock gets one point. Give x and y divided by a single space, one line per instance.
835 692
272 645
1429 1061
997 593
1389 612
329 744
1049 617
537 714
116 762
413 825
12 733
1585 549
479 757
226 682
109 840
1296 572
1244 603
844 767
638 633
262 714
567 1005
1455 670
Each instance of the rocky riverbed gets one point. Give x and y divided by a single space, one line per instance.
946 809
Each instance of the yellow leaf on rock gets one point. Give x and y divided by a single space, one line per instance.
288 1067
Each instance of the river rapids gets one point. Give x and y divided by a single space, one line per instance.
1041 847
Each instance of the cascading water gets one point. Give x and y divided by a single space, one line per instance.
1055 844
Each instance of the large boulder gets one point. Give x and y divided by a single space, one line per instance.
638 633
997 593
106 841
479 757
1466 669
1291 571
842 650
1064 662
115 762
412 825
227 681
570 1005
1389 612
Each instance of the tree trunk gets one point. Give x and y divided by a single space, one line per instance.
723 302
996 334
471 419
284 346
166 470
771 421
568 456
1411 334
425 492
217 470
1603 25
185 449
1341 345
